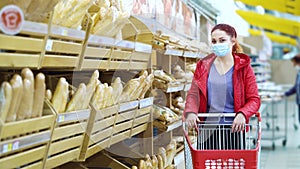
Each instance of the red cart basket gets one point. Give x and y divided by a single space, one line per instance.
213 146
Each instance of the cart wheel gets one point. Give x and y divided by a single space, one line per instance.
284 143
277 128
273 146
295 126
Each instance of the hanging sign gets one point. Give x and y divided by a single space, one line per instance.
11 19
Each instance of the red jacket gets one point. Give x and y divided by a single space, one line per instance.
246 98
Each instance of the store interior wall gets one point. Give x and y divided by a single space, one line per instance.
282 72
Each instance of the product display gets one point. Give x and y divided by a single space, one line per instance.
115 108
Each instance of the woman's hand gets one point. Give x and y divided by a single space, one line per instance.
191 120
238 123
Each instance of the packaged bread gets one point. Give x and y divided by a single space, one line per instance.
39 95
60 96
5 100
26 104
17 94
129 88
117 89
77 99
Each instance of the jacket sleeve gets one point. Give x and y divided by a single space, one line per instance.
291 91
252 99
192 99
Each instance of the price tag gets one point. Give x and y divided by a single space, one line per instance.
49 45
15 145
61 118
11 19
7 147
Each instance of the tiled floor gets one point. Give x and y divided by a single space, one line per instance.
282 157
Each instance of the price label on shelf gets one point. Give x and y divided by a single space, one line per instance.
11 19
49 45
61 118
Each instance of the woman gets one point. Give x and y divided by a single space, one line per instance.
223 82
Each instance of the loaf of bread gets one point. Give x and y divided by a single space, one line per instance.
162 152
97 99
148 85
148 162
160 162
77 99
90 89
154 162
142 164
39 95
26 104
48 94
25 109
17 94
117 89
134 167
6 99
170 152
60 96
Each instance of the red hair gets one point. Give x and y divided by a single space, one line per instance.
230 31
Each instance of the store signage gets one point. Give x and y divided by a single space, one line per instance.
11 19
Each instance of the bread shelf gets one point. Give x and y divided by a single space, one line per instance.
67 137
26 142
167 127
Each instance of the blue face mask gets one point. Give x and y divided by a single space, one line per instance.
220 49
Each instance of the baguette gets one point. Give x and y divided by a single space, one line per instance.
48 94
76 101
39 95
117 89
17 93
148 162
26 104
142 164
90 89
170 153
154 162
25 111
96 97
148 83
163 153
60 96
160 162
6 96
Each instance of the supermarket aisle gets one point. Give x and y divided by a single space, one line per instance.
282 157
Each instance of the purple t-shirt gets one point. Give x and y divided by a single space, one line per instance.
220 93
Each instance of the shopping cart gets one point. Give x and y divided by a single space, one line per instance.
214 146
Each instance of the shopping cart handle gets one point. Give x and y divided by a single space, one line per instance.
216 114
